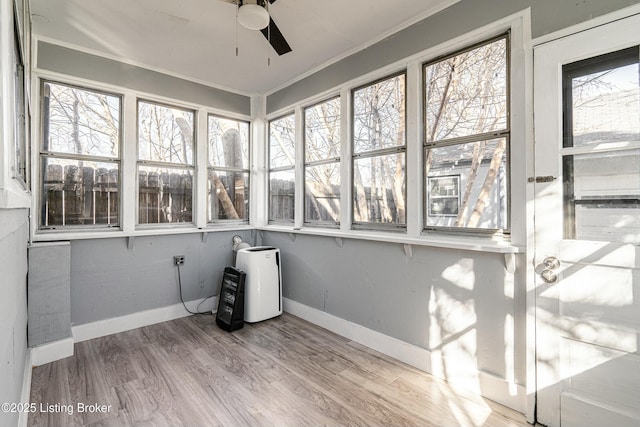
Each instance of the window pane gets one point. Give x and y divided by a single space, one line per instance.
76 192
322 131
228 196
606 106
379 189
282 142
165 134
165 195
467 94
282 195
228 143
322 193
602 200
379 115
79 121
481 168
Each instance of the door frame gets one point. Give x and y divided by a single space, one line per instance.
597 29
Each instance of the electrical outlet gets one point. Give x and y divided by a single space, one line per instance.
178 260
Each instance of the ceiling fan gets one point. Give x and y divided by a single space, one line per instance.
254 15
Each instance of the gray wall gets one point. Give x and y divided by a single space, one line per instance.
108 279
546 16
442 300
74 63
13 307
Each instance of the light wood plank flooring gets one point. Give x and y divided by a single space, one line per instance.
281 372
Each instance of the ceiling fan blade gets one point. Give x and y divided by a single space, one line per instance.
276 38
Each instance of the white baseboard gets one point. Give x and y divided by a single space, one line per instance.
52 351
25 396
407 353
488 385
114 325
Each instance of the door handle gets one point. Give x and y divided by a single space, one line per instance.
549 276
551 263
548 265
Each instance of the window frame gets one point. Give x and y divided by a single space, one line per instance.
373 226
42 154
246 170
325 161
21 169
456 178
270 170
169 165
506 133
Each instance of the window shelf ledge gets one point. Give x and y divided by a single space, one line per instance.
14 199
49 236
448 242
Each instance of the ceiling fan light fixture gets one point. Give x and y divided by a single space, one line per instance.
253 16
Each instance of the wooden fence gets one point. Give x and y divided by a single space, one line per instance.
76 195
164 198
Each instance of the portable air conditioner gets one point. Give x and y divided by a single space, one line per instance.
263 283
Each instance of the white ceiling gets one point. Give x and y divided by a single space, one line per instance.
196 39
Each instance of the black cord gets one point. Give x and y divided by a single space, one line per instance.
182 299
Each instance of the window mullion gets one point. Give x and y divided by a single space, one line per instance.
201 161
129 166
323 162
467 139
414 168
80 157
299 168
381 152
346 182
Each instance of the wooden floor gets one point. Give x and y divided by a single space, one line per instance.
281 372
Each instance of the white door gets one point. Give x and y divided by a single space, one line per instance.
587 227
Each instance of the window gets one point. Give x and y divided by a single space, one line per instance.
601 155
444 195
165 164
467 137
228 182
79 158
282 144
322 162
379 154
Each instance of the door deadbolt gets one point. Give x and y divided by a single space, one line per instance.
551 263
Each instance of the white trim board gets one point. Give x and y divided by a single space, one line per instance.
488 385
114 325
52 351
25 397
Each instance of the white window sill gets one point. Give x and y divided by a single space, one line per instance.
480 244
450 242
55 235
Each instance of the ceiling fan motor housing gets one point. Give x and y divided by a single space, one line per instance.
253 16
